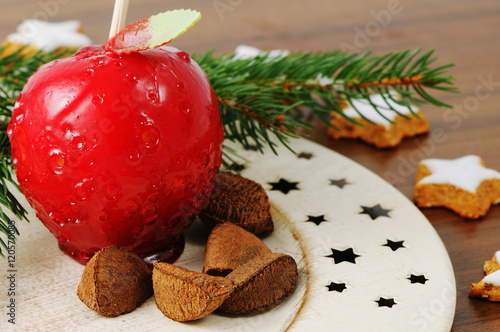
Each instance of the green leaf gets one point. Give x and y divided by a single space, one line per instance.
152 32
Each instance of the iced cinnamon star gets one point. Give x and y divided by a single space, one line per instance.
383 127
463 185
489 286
36 35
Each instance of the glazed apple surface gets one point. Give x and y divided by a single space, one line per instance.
117 149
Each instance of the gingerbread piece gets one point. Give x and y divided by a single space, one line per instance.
489 287
379 131
463 185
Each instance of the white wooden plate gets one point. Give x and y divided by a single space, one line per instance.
388 271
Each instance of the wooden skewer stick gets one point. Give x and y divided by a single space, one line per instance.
119 17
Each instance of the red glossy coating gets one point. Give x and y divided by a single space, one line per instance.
117 150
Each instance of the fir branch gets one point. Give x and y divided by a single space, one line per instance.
264 94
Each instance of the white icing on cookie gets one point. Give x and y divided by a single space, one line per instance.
492 278
245 52
466 172
497 256
369 112
47 36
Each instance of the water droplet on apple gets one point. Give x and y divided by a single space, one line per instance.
131 78
136 230
155 180
103 216
185 108
181 86
83 189
205 158
74 214
179 160
80 144
97 99
85 256
96 136
56 162
57 217
179 185
112 191
132 206
149 138
152 95
149 213
118 64
134 154
88 73
184 56
154 197
174 221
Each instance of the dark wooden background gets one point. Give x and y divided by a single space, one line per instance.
462 31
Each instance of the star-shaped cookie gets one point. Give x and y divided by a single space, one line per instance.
463 185
47 36
489 287
384 128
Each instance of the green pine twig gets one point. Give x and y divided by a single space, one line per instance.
263 95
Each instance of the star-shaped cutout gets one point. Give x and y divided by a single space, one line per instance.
236 167
421 279
305 155
336 287
341 183
340 256
383 302
394 245
284 186
375 211
316 219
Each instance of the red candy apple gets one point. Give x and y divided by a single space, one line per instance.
117 149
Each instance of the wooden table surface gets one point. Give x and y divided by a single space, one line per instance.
462 31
